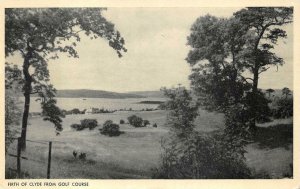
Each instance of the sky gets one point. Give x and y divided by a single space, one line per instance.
156 42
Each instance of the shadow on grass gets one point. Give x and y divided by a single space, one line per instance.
276 136
12 174
112 134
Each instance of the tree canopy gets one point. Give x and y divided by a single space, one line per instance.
223 50
40 34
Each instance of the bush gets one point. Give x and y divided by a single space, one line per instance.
188 154
122 121
146 122
202 157
135 121
86 123
89 123
155 125
77 127
110 129
283 108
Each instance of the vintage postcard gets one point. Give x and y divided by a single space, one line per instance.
149 94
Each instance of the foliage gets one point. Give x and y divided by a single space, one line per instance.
77 127
269 91
183 110
52 113
84 124
40 34
189 154
223 50
259 103
146 122
135 121
110 129
122 121
286 91
75 111
12 110
237 121
89 123
216 78
202 157
283 108
12 117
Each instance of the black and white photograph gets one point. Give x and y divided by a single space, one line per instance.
149 92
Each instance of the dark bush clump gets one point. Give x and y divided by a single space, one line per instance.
155 125
135 121
86 123
89 123
146 122
283 108
110 129
77 127
122 121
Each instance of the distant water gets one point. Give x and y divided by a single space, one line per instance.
106 103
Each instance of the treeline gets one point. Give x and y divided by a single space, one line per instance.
223 51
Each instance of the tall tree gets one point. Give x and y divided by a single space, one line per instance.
264 25
223 50
40 34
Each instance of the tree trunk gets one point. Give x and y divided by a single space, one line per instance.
27 91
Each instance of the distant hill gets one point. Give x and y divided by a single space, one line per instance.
150 94
86 93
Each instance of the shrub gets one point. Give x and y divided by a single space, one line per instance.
146 122
110 129
155 125
135 121
283 108
77 127
258 106
122 121
188 154
75 111
202 157
89 123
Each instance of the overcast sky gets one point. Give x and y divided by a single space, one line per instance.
156 43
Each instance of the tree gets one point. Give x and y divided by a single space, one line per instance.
188 154
269 91
110 129
286 91
264 25
135 121
39 34
12 111
216 68
183 112
223 50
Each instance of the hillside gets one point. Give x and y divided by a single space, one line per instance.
151 94
86 93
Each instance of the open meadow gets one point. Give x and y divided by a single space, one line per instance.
136 152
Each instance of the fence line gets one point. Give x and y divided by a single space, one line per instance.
19 157
36 141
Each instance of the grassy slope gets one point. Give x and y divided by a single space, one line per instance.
131 155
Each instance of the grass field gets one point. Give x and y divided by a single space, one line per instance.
135 153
